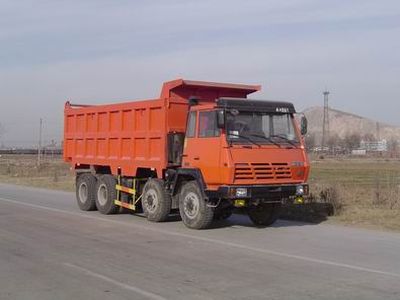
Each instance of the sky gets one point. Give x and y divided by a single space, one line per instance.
102 51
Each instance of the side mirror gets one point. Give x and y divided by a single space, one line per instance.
303 125
220 119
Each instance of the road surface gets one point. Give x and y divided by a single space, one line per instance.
49 249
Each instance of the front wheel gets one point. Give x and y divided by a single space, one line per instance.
264 214
193 208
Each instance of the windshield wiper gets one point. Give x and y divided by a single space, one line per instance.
266 138
284 138
244 137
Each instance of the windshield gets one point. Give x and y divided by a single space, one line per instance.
259 127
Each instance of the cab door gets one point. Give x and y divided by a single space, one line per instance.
202 145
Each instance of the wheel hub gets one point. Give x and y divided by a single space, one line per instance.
151 201
102 194
83 192
191 205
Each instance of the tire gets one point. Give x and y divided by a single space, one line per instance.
264 214
156 202
86 191
106 194
193 209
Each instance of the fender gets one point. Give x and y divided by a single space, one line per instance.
189 173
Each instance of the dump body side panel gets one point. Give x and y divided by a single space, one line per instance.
123 136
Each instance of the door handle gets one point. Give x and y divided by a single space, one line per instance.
196 158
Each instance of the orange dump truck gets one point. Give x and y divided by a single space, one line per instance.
201 148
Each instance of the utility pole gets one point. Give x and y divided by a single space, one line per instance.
325 124
378 132
40 143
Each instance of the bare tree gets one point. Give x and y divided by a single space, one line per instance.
368 137
309 140
334 140
393 146
352 141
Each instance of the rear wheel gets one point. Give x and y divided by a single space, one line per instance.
156 202
192 207
264 214
106 194
86 191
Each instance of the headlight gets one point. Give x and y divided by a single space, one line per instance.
241 192
299 190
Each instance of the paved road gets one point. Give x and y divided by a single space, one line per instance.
51 250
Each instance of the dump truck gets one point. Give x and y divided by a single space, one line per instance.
202 149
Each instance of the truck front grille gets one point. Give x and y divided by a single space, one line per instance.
245 172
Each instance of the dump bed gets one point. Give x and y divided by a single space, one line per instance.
125 136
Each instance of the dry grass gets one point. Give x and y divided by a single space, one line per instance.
362 191
53 173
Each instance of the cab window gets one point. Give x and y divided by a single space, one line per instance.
208 124
191 125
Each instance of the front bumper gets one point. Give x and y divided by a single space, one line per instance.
263 193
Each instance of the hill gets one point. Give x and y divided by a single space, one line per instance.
344 124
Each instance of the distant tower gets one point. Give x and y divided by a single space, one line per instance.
325 124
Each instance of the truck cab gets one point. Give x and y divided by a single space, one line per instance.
249 154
